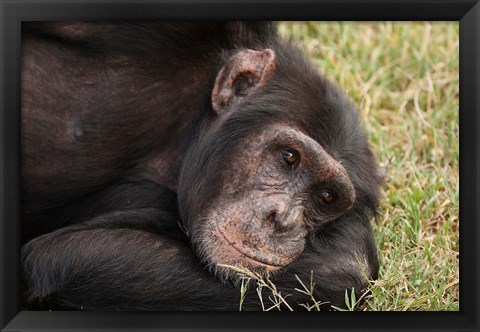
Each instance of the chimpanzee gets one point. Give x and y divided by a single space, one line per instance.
157 154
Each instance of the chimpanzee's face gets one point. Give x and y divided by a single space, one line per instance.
279 184
251 189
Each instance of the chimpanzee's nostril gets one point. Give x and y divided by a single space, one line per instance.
272 217
285 217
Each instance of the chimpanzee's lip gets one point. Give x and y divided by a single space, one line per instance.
254 260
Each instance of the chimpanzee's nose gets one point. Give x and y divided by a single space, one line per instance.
286 217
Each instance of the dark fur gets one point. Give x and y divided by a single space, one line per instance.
102 232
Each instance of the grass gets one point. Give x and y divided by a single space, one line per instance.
404 78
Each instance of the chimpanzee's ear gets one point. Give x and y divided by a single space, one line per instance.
243 73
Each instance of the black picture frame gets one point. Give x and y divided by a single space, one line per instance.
13 12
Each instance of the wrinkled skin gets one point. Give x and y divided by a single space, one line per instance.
259 220
155 155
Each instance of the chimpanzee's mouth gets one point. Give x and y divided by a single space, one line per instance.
253 261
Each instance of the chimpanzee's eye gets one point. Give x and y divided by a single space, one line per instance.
291 157
327 196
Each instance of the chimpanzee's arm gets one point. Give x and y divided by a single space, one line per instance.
119 261
125 261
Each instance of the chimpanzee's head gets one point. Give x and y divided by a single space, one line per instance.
283 156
